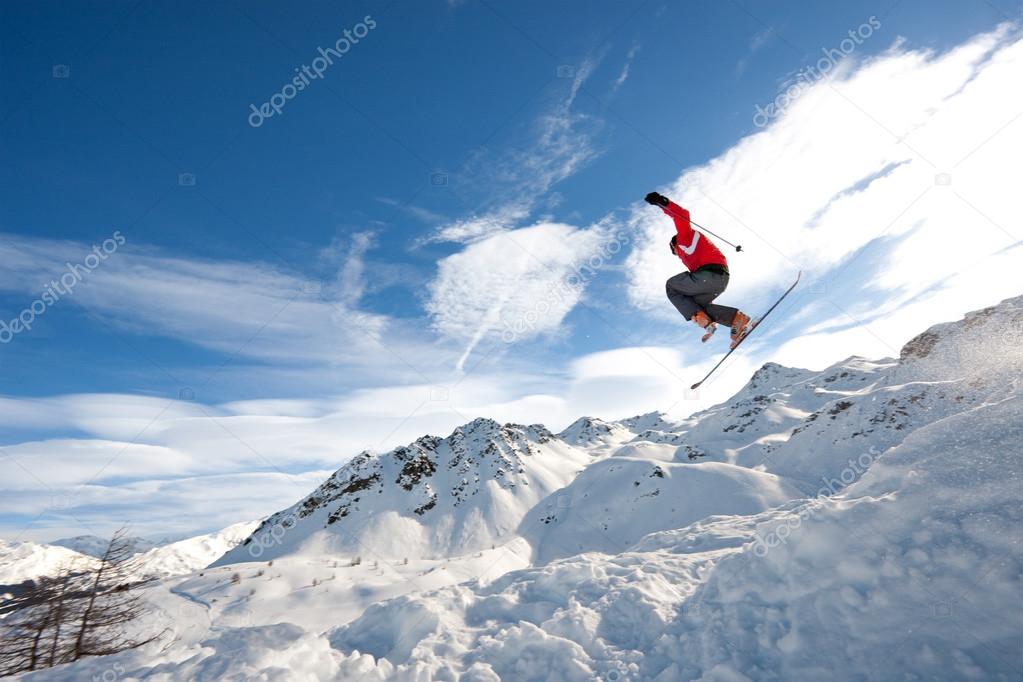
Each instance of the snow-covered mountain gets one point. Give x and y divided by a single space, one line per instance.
23 560
861 522
596 434
435 497
95 545
192 554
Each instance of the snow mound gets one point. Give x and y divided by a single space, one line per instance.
280 652
561 621
615 502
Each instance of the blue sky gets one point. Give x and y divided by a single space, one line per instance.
345 275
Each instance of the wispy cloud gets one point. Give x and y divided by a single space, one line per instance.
623 75
257 311
506 186
421 214
515 282
476 227
350 281
759 41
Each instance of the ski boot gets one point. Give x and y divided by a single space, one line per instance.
704 322
740 328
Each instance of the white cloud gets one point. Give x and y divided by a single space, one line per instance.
848 185
623 75
516 284
510 279
478 227
248 310
59 464
350 283
158 508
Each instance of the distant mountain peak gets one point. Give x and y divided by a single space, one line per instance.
589 431
414 499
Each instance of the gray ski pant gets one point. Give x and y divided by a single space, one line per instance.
690 292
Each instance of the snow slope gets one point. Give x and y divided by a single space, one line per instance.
615 502
913 572
862 522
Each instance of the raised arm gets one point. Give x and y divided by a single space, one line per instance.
687 238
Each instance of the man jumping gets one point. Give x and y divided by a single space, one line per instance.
693 292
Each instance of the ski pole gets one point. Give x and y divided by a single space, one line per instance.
737 248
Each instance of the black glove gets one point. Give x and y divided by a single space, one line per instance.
674 244
656 199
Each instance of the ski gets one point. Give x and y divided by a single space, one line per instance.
751 330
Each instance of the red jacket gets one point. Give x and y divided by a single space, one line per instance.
692 247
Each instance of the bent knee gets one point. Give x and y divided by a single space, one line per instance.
674 285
